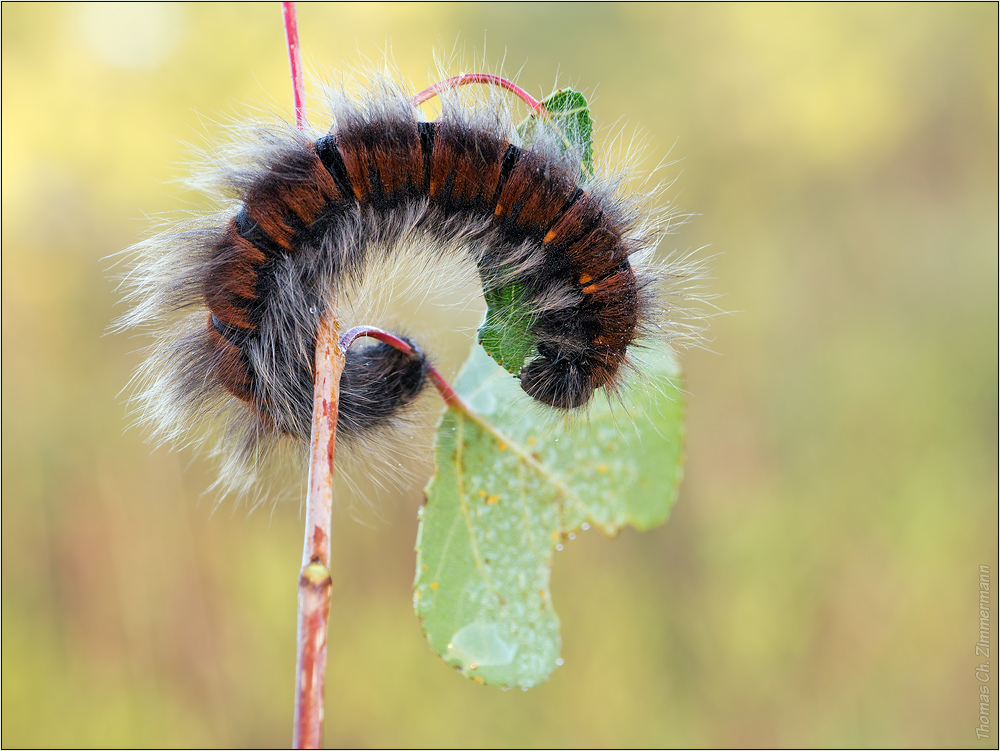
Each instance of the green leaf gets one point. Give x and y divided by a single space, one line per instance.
568 112
505 333
512 480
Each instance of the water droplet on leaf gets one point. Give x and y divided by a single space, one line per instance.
480 644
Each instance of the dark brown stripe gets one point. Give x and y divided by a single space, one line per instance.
228 365
230 286
329 155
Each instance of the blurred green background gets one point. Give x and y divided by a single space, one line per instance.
817 583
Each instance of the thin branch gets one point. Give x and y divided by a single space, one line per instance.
314 580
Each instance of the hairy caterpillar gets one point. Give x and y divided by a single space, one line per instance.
315 216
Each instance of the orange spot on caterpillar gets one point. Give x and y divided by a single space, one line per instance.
584 278
589 289
434 585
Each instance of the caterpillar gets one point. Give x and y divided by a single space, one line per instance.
316 215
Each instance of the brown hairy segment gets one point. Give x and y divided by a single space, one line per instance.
583 293
299 187
384 161
535 193
228 365
465 167
231 282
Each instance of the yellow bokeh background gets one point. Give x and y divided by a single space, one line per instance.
817 584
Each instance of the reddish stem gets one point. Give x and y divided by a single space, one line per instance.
314 580
351 335
315 583
453 400
444 388
487 78
295 62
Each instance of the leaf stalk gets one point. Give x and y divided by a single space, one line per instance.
484 78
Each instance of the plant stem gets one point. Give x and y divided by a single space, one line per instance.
295 62
487 78
444 388
314 580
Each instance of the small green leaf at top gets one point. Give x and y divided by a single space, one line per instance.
568 112
506 332
512 481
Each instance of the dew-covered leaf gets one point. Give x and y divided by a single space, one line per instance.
512 480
